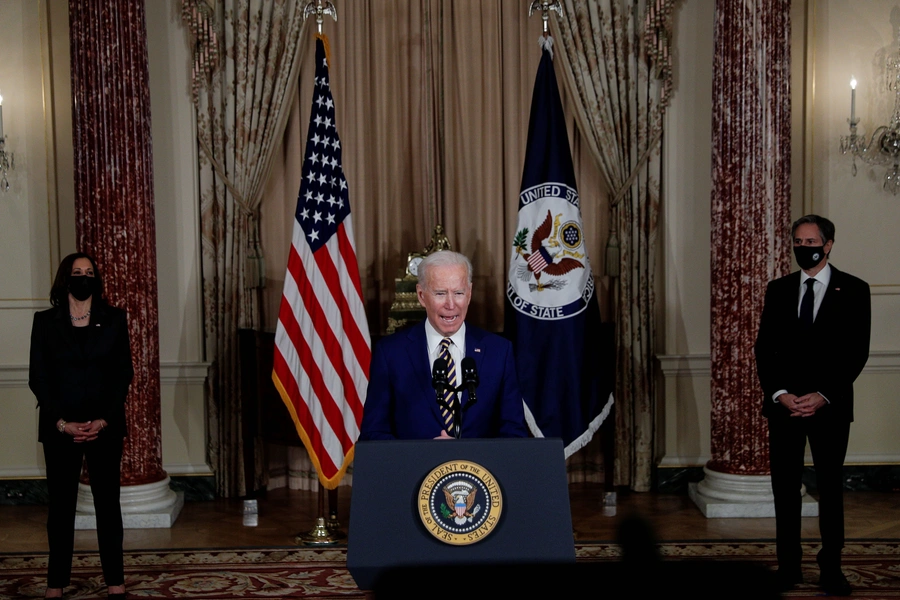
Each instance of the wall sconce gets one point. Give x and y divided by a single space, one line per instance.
883 148
7 160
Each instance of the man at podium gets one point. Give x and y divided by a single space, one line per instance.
402 401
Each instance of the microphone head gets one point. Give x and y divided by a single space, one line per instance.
439 373
469 371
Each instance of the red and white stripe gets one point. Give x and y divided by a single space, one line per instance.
322 349
537 262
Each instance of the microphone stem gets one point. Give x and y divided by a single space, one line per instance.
457 416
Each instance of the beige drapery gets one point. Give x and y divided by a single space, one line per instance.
604 48
246 61
432 101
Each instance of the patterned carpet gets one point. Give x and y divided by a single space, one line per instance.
872 567
244 573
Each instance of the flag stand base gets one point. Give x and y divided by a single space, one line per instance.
319 535
334 528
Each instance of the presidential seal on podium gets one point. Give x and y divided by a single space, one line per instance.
460 502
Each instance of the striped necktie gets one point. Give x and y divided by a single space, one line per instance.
449 395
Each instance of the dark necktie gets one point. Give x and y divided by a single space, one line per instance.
807 304
449 395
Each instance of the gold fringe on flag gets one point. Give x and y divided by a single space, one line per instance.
325 43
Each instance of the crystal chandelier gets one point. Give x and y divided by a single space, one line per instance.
883 148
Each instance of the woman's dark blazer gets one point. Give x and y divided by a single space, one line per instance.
96 374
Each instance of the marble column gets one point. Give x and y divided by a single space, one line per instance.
115 223
750 206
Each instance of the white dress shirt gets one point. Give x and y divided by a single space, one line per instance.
457 348
823 278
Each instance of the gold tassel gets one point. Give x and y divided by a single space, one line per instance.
612 255
325 43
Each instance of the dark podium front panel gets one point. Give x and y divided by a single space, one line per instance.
535 524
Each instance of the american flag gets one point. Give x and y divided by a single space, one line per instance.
322 347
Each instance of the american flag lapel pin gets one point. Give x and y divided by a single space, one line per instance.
477 349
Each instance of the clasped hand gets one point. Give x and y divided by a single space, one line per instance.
84 432
802 406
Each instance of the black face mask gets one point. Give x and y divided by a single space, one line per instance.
809 256
82 287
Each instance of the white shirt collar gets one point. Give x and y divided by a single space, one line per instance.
433 338
823 276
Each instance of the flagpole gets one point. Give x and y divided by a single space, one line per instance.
319 8
607 425
324 532
545 6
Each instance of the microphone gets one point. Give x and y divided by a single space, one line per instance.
439 375
470 379
439 381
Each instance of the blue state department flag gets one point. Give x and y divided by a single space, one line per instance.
552 315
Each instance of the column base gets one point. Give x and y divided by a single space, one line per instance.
728 496
149 506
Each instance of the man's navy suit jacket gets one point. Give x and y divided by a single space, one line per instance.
401 403
826 357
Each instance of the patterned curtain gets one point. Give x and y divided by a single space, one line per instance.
246 63
605 47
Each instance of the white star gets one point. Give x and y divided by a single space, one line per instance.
329 103
317 216
316 139
320 198
334 163
336 143
314 236
321 81
314 158
327 122
325 62
318 120
332 181
311 176
330 219
304 213
340 203
343 184
308 195
322 179
321 101
331 200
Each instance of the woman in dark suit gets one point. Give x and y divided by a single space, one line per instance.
80 371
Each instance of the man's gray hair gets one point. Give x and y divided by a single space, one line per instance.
444 258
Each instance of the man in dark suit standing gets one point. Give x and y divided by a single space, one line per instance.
813 342
401 402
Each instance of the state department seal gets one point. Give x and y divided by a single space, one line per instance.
549 272
460 502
